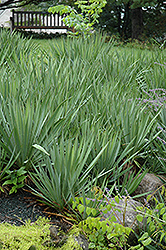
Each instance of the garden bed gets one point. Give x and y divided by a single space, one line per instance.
19 207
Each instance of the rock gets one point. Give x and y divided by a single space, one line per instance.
125 210
150 183
58 238
82 241
54 232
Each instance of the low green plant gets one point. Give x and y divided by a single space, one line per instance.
26 236
105 234
154 232
151 233
15 178
5 165
102 233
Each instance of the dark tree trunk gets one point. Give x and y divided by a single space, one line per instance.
137 23
126 21
119 19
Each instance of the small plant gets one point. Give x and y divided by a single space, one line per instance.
61 176
155 234
15 178
5 165
102 233
110 232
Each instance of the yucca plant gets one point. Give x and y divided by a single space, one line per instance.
155 102
109 157
87 50
63 175
14 46
22 126
138 126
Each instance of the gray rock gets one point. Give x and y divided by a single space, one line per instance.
125 212
82 241
58 238
149 184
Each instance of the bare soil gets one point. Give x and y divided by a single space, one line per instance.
17 208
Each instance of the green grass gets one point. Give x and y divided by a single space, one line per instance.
45 43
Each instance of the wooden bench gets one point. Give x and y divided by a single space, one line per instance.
36 20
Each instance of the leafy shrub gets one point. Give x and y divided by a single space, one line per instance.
15 178
81 23
102 233
154 232
111 232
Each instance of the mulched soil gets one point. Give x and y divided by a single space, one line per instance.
23 205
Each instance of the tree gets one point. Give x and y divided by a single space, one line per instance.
80 23
133 18
9 4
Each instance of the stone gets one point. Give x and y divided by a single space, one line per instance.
58 238
149 184
126 213
82 241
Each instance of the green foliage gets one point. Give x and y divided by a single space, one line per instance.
25 236
155 226
22 126
117 18
96 226
75 115
73 83
63 175
15 178
5 165
131 182
106 233
71 242
81 23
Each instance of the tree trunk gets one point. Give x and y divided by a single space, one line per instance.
126 21
119 19
137 23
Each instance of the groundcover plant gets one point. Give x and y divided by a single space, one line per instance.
77 115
